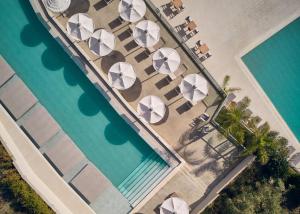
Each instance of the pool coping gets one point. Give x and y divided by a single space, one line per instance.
261 39
156 142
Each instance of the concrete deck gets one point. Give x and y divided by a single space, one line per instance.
231 28
179 115
209 158
172 130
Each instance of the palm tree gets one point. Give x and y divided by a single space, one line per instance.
230 119
262 142
225 86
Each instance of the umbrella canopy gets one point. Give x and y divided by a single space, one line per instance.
132 10
194 88
121 75
174 205
80 26
146 33
57 6
166 60
102 42
152 109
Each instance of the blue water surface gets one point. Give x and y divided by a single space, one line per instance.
83 113
275 64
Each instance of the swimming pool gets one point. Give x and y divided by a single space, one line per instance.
79 108
275 64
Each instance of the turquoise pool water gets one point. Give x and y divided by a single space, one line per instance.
275 64
83 113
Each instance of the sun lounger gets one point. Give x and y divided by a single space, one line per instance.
64 155
230 97
6 72
90 183
202 118
16 97
39 125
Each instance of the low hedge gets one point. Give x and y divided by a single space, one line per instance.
15 190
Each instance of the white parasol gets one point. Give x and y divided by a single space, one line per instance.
121 75
57 6
194 88
102 42
152 109
166 60
146 33
132 10
80 26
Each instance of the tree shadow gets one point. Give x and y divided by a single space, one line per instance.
112 58
78 6
51 60
29 36
113 135
69 76
87 105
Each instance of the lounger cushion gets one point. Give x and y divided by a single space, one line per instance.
89 183
39 125
64 154
16 97
6 71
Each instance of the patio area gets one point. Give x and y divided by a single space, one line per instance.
208 155
179 114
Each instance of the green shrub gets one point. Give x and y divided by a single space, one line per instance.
13 187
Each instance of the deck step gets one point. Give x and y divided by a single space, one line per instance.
144 178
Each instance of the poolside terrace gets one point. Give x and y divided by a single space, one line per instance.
207 155
149 82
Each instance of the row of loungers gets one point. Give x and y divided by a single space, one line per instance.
52 142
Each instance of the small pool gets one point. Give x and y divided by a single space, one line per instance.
275 64
83 113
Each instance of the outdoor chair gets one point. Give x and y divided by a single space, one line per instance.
199 43
230 97
194 32
188 19
201 119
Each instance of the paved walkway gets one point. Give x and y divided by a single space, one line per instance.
231 28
